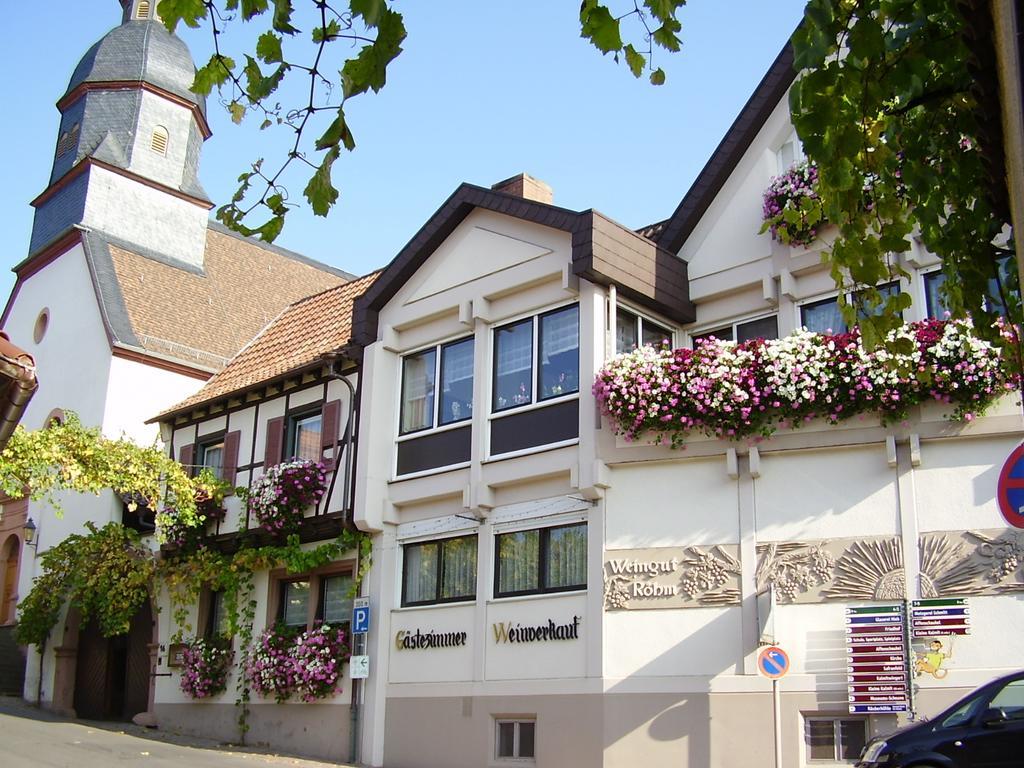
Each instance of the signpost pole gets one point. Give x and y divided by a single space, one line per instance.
909 649
777 717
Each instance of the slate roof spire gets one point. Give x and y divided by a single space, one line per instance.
126 160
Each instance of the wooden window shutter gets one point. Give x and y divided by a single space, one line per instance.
187 457
329 419
230 467
275 443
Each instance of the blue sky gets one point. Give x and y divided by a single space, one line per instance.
482 91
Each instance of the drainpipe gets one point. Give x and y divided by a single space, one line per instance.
348 493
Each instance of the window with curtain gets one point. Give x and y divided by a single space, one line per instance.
211 456
439 571
824 316
217 618
335 602
323 595
450 365
524 375
541 560
304 436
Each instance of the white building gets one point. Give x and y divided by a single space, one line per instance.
129 299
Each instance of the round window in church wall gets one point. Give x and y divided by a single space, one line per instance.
42 323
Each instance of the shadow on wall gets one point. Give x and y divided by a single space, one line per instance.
671 727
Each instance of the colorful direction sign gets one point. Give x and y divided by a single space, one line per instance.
877 666
1010 488
773 662
941 616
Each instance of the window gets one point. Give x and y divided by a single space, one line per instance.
515 739
295 603
439 571
211 456
632 330
1011 700
824 316
217 615
142 12
522 377
789 154
831 739
158 142
759 328
322 596
452 365
304 436
935 305
541 560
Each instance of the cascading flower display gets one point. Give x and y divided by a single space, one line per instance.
288 662
280 496
737 391
205 664
791 208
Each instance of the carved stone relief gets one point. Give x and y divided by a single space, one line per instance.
671 577
952 564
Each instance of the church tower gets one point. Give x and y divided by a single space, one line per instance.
126 162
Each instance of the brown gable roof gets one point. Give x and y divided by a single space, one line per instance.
300 336
200 317
737 140
603 251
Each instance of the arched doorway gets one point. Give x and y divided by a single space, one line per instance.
112 674
10 557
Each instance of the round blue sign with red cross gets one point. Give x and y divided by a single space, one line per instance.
1010 490
773 662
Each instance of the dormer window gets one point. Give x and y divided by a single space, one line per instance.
158 142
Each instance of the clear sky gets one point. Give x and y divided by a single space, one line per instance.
483 90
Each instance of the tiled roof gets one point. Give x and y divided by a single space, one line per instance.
200 317
651 231
300 335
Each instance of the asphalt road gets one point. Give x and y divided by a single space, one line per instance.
31 738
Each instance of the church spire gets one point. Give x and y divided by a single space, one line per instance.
127 155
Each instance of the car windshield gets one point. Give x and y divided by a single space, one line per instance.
964 713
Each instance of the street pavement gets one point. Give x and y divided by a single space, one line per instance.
30 737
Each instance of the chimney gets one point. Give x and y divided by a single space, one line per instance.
525 186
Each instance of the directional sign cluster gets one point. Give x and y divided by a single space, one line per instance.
942 616
876 659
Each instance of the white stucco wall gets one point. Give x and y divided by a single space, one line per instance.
137 392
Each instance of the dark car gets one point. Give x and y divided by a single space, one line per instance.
985 729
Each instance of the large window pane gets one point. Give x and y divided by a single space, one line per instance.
456 382
655 335
722 334
337 605
567 557
934 302
506 739
526 732
418 391
625 330
852 737
513 365
559 352
306 437
458 565
762 328
518 560
295 597
211 456
420 573
823 317
819 736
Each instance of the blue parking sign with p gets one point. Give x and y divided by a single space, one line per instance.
361 616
